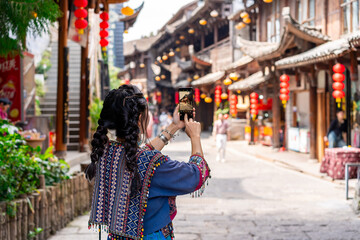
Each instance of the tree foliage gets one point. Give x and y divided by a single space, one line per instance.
18 17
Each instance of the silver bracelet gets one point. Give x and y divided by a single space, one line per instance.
168 132
163 138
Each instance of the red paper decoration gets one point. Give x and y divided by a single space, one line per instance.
104 24
284 89
81 23
197 96
233 103
218 95
104 42
338 84
80 3
103 32
339 68
254 104
80 14
158 97
104 16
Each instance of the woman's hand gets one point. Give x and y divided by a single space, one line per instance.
176 118
192 128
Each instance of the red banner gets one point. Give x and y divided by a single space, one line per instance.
10 85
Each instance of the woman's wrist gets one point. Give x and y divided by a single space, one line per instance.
172 128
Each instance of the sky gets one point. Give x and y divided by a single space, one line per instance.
153 16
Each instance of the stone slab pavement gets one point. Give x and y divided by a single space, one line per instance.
249 198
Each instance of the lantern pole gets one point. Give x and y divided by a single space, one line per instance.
62 86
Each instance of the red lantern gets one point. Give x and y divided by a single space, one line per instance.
218 95
284 97
254 106
81 23
104 24
339 68
197 96
338 86
233 103
80 3
104 42
254 95
254 101
284 85
80 13
158 97
254 112
338 77
104 16
284 78
176 97
226 116
338 94
104 33
284 91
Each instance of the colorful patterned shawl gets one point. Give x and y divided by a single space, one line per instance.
112 208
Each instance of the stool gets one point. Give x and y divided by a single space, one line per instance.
347 165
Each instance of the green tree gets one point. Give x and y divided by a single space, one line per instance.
18 17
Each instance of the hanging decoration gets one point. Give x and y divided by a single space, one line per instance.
177 97
163 76
81 13
284 89
244 15
234 76
217 95
142 65
177 49
196 77
214 13
158 97
247 20
224 96
233 103
208 100
227 81
191 31
165 57
268 1
197 96
338 84
104 25
157 78
182 37
203 96
254 108
203 22
127 11
171 53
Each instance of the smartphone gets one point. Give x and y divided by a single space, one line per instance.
186 100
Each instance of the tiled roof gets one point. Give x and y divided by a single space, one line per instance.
250 82
209 78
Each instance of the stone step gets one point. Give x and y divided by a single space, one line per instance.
73 146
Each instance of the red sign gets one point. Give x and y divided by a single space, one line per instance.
10 85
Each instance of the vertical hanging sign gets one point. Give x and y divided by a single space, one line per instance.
10 85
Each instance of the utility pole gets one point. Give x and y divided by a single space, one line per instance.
62 105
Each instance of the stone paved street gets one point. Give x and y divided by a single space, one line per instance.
249 198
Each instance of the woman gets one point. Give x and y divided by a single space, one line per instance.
135 188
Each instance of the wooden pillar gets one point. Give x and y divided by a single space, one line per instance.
202 40
62 85
84 100
313 115
216 33
276 111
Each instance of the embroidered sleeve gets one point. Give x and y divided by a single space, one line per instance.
204 170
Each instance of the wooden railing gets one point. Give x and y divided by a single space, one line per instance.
50 208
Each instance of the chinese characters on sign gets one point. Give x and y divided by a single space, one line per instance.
10 84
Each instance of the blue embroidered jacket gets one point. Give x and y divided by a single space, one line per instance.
154 206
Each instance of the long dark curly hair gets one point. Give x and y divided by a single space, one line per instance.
124 109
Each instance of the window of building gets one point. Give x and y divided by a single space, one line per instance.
305 13
350 10
273 23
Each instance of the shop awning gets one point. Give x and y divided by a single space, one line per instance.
181 84
209 79
326 51
250 82
243 61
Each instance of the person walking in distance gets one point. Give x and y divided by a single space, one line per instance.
221 132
